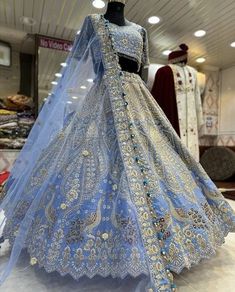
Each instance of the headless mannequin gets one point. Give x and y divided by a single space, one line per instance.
115 14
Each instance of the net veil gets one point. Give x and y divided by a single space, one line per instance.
83 72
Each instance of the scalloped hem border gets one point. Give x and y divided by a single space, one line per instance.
133 275
84 274
200 257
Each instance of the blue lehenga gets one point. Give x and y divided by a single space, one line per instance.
104 187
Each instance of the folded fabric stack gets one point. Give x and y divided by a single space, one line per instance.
9 125
14 133
4 112
12 143
25 114
26 121
16 121
8 121
16 102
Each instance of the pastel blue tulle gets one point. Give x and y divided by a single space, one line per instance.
104 187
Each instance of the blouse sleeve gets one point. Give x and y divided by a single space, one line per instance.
145 54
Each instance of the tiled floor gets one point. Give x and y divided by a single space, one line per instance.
215 275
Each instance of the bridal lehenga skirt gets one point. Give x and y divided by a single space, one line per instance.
122 197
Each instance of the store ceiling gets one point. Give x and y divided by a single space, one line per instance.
179 20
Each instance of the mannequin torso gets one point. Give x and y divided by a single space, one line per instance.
115 14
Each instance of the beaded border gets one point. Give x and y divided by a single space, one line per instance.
161 276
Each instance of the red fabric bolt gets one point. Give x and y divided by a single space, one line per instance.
4 176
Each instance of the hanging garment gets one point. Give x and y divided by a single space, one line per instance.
177 92
103 186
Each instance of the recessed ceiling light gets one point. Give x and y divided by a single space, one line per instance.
54 82
200 60
45 99
69 102
154 19
27 20
83 87
200 33
232 44
78 32
59 75
166 52
98 4
74 97
63 64
90 80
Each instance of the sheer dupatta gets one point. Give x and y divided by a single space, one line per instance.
83 70
92 59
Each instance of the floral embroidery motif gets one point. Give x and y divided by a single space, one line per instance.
85 153
63 206
33 261
137 204
130 41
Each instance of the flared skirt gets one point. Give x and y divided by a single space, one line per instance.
106 197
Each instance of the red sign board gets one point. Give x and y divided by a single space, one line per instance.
55 44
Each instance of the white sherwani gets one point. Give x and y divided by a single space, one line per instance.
189 105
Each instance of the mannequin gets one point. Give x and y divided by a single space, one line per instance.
177 92
115 14
94 194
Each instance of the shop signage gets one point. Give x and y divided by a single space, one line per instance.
55 44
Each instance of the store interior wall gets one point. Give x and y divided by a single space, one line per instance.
226 131
210 102
10 77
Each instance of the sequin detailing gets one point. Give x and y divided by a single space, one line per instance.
138 204
130 41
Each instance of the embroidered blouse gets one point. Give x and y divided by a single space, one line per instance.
129 41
